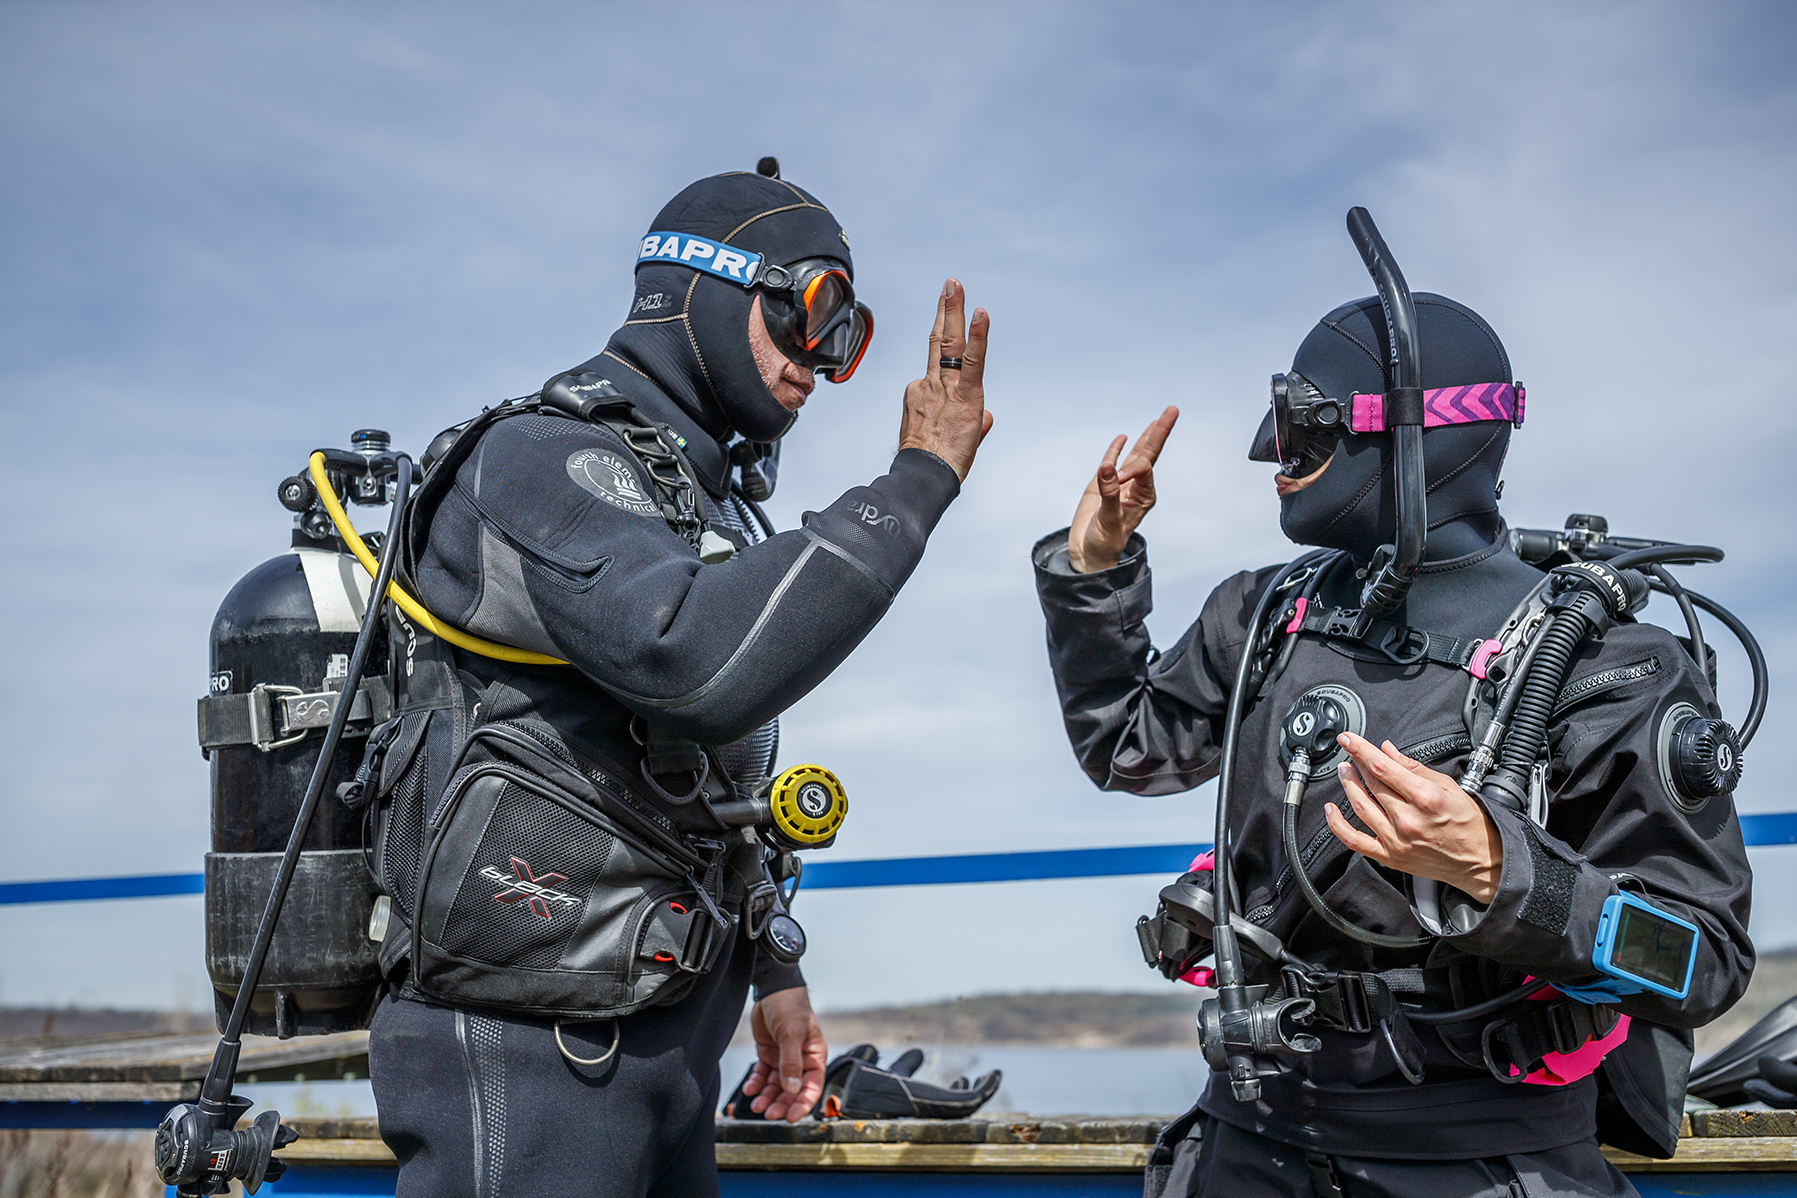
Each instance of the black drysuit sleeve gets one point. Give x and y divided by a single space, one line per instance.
1147 723
1610 800
546 542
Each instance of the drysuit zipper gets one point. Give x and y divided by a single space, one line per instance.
1604 680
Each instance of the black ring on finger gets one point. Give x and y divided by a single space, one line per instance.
949 363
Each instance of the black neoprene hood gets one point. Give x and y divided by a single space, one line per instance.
689 330
1353 505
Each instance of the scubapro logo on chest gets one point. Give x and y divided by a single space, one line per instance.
608 476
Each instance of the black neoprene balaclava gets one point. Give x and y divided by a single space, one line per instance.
1353 504
689 330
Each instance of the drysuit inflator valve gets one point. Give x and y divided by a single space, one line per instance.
1308 736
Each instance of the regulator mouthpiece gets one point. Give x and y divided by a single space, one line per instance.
197 1152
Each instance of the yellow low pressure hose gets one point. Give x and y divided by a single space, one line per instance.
407 604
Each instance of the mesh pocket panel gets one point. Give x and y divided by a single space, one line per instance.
750 758
405 837
541 428
525 893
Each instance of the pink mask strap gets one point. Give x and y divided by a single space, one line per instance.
1446 405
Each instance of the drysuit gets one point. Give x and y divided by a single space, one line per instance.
552 536
1149 722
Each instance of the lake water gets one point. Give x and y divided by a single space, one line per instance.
1038 1080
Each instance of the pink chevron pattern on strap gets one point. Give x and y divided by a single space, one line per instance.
1445 405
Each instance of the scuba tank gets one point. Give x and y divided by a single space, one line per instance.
280 648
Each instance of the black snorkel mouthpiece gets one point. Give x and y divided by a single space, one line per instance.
1394 566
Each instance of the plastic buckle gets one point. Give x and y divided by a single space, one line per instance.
1341 1000
1482 657
1297 617
1340 622
1415 644
1357 1014
1563 1027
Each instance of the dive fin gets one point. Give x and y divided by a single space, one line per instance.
1722 1079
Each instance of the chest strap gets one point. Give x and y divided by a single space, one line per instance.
1357 1001
1403 645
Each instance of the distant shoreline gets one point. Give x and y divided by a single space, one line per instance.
1062 1019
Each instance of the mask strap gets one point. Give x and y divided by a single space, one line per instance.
1445 405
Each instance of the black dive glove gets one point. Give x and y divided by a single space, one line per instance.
856 1088
1776 1086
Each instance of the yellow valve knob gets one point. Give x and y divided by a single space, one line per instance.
808 804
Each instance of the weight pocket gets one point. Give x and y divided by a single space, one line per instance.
531 899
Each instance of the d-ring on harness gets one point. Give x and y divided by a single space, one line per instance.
598 1060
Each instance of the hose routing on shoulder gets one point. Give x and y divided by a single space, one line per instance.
400 596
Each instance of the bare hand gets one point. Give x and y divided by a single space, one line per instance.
1116 499
1421 822
789 1046
945 410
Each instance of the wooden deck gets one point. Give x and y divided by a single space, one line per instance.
132 1078
1720 1141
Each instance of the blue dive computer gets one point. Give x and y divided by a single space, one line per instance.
1638 947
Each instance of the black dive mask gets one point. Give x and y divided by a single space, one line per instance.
1305 427
812 317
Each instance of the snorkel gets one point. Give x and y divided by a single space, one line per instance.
1393 567
1245 1034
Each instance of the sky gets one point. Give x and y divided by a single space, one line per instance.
230 234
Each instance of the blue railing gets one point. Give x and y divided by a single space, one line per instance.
1759 831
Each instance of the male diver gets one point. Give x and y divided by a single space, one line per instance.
1408 1044
565 830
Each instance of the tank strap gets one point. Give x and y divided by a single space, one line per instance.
270 716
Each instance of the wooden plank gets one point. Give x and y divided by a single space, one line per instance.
100 1092
1765 1154
180 1057
1743 1123
337 1152
1720 1154
939 1158
959 1158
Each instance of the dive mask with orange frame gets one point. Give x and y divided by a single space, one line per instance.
812 315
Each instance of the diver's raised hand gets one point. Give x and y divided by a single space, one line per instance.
1117 498
945 410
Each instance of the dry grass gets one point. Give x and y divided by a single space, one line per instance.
77 1164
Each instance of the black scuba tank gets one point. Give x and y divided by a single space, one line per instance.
280 648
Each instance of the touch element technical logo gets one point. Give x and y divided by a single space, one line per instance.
522 884
606 475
